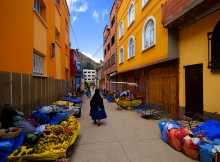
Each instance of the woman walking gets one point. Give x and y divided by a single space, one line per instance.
97 110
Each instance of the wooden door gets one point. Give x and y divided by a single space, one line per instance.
194 88
163 88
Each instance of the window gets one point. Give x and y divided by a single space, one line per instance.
113 39
121 30
113 21
144 2
39 7
113 59
108 62
104 52
214 48
108 46
57 35
121 55
57 2
38 64
148 35
131 14
131 47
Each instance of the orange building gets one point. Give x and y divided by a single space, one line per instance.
34 58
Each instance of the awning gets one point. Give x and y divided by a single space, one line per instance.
130 84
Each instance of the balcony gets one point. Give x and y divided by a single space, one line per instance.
178 14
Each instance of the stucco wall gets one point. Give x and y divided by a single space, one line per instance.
194 50
158 51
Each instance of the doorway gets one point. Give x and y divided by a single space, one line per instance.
194 88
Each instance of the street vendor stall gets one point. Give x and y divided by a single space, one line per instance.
126 103
51 146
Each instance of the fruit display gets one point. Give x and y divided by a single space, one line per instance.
57 139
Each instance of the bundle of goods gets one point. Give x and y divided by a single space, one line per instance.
50 144
196 146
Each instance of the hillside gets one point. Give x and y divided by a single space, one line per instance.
88 63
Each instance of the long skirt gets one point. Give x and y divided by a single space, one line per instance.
98 114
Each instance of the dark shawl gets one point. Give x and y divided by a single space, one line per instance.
96 101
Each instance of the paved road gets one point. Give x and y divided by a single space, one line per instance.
122 137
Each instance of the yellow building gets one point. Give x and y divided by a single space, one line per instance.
199 50
34 58
147 53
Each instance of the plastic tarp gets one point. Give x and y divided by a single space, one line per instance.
51 118
6 150
75 100
210 129
47 155
110 99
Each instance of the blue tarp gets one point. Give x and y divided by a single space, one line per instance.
7 146
210 129
110 99
51 118
75 100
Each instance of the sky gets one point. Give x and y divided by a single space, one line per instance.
88 19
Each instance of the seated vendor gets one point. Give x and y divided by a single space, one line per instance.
125 94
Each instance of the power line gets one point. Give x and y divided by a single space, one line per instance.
97 50
74 36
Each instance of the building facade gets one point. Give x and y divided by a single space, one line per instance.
147 54
90 76
34 59
75 69
110 47
198 23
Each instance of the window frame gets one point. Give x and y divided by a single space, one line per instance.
121 29
112 59
144 3
38 64
131 38
144 37
121 55
130 15
214 49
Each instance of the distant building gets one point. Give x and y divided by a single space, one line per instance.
89 76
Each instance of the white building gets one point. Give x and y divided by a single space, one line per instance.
89 75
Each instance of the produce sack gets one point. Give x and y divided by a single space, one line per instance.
175 137
164 125
190 147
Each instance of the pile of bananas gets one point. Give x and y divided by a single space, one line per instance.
57 129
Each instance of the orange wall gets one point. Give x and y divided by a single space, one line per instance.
17 39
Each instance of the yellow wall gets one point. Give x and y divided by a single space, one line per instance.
194 50
157 52
23 31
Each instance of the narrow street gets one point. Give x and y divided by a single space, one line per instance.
122 137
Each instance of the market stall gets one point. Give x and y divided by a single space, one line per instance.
126 103
52 145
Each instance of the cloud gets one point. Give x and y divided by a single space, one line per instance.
78 5
104 12
74 19
95 15
97 60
